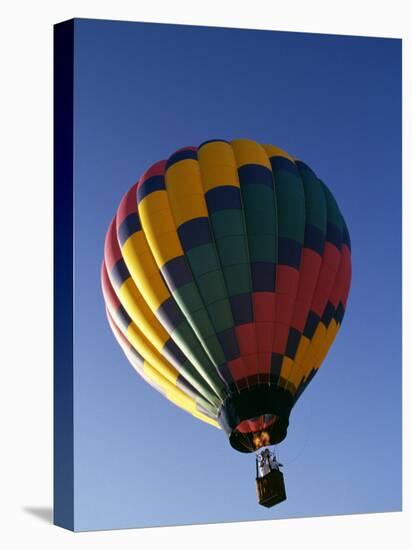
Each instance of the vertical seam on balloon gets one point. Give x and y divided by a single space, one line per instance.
306 375
248 255
194 280
299 276
277 254
217 255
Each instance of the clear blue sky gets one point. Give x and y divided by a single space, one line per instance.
142 91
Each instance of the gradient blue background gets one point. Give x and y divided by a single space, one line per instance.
144 90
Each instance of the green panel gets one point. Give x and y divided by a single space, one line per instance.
211 287
202 259
263 248
184 336
201 354
260 211
238 279
213 345
227 222
201 319
204 373
221 313
333 212
291 206
188 298
233 250
315 201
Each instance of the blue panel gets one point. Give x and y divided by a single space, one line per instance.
293 342
173 354
250 174
155 183
119 274
194 233
242 308
176 273
181 155
263 276
228 341
314 238
311 323
289 252
169 314
334 235
281 163
225 197
131 224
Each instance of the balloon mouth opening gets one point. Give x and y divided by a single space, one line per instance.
251 441
256 417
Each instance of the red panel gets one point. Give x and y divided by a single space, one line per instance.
287 279
347 267
255 425
157 169
323 289
285 305
112 253
246 337
264 336
111 300
300 314
339 283
331 255
188 148
309 271
127 206
237 369
280 339
251 365
264 361
264 306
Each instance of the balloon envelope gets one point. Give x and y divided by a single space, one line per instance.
226 274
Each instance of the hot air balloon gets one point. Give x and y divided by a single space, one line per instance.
226 274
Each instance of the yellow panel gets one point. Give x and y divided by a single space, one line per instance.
185 191
154 202
176 395
314 348
217 165
206 419
144 271
154 291
160 222
217 152
318 349
273 151
164 247
296 371
249 152
186 205
135 245
287 364
302 348
150 354
141 314
163 243
331 333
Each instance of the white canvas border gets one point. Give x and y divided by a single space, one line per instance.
26 271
